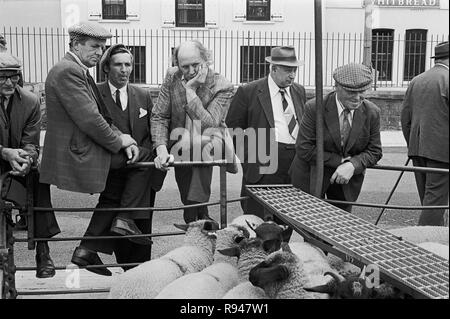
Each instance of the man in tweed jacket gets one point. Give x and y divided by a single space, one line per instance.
191 94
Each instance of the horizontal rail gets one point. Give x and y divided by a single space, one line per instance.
62 292
411 169
181 164
332 201
29 268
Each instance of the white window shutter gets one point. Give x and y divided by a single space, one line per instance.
94 9
239 10
277 10
168 13
133 9
212 14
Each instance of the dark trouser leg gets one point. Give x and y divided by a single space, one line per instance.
183 177
335 192
434 189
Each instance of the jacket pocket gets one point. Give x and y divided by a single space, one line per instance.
79 143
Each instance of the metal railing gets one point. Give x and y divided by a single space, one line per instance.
238 55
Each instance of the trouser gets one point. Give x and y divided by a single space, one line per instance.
335 192
433 191
286 153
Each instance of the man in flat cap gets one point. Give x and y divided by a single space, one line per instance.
273 104
20 121
130 108
351 134
424 121
81 144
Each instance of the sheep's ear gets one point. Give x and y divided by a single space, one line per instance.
182 226
286 232
323 289
252 227
211 225
285 247
271 245
231 252
238 239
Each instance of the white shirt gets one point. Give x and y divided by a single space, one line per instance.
282 134
340 110
123 95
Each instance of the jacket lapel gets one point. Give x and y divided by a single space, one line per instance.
132 106
332 119
297 102
359 118
266 102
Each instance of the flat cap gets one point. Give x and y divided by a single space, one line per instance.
9 62
89 29
353 77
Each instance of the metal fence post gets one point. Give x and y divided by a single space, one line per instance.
223 196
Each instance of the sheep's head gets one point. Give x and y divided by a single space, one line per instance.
273 234
275 269
247 245
231 236
207 227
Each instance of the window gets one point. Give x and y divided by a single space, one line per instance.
190 13
258 10
382 46
415 51
253 62
138 74
114 9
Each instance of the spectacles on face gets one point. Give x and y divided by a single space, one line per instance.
14 78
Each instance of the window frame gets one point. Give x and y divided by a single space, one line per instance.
105 16
179 24
266 17
422 43
387 50
252 69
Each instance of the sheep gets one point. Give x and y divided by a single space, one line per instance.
215 280
282 276
248 221
420 234
146 280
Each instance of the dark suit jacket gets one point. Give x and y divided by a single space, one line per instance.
140 107
79 142
364 146
251 107
425 115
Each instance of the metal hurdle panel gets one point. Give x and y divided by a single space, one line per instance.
407 266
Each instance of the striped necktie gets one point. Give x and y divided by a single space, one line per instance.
288 114
346 127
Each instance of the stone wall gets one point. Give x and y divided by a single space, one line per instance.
389 102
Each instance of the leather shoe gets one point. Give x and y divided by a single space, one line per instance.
84 257
21 224
125 227
44 264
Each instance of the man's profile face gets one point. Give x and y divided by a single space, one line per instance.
119 70
190 62
90 52
349 99
8 82
283 76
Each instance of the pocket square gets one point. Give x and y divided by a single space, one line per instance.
142 112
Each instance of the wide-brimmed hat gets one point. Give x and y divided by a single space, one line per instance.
284 56
441 50
354 77
88 29
9 62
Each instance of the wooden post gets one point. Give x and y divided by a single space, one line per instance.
367 53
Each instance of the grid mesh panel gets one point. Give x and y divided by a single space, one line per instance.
400 261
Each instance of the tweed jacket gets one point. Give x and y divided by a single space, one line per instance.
79 142
425 117
252 108
140 107
25 122
210 106
363 145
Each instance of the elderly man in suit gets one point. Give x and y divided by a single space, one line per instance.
20 125
130 108
424 121
192 99
272 108
351 134
81 144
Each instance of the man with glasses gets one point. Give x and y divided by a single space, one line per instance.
351 134
20 121
274 103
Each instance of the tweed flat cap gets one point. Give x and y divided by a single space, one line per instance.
9 62
353 77
89 29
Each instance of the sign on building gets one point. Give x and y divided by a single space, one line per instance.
407 3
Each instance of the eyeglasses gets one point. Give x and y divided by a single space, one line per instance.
13 78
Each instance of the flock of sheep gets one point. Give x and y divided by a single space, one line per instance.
250 260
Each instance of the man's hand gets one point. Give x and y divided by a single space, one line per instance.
199 79
127 140
132 152
19 160
343 173
163 158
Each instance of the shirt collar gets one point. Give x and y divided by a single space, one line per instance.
77 59
442 64
274 89
114 89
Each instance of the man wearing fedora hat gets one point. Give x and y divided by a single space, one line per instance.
351 134
20 124
274 103
424 121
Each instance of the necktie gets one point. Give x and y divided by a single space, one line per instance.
288 115
118 102
4 106
100 103
346 127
